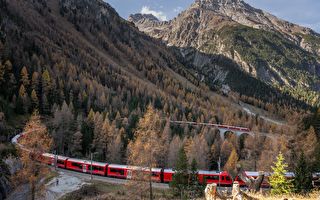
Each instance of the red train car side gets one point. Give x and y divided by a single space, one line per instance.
167 175
98 168
118 171
49 159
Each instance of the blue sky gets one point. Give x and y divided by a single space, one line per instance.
303 12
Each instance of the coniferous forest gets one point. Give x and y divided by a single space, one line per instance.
93 76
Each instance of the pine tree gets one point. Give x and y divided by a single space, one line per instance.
278 181
180 178
303 176
195 188
316 122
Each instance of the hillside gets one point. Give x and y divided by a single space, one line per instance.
282 55
92 74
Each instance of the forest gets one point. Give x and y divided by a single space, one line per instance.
92 87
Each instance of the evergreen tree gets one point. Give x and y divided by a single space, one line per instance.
303 176
180 178
316 122
195 188
278 181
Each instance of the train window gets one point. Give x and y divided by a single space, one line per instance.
155 174
222 178
119 171
77 165
228 178
212 177
96 168
60 162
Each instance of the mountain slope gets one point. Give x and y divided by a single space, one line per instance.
274 51
83 53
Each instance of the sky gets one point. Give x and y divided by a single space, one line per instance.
302 12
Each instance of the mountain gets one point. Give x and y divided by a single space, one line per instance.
278 53
83 53
92 74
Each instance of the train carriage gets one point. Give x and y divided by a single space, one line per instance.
49 159
119 171
98 168
167 175
156 173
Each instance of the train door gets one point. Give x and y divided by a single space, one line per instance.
84 168
129 174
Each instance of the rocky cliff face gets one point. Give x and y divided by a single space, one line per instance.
272 50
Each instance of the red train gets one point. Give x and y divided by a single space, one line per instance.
159 175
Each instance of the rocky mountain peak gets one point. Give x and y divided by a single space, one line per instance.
212 2
218 4
139 16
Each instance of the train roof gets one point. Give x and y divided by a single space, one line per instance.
88 162
249 173
169 171
144 168
118 166
52 156
204 172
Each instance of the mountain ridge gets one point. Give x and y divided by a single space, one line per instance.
275 51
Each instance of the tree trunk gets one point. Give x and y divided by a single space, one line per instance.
33 191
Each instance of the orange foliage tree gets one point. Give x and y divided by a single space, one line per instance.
35 142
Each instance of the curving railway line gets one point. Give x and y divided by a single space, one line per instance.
115 173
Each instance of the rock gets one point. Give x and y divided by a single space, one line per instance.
211 191
236 192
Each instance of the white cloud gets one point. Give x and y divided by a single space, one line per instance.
160 15
177 9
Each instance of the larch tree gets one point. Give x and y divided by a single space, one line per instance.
35 81
23 100
145 149
175 144
99 138
278 181
310 144
36 142
231 165
64 123
115 144
77 139
34 100
25 77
